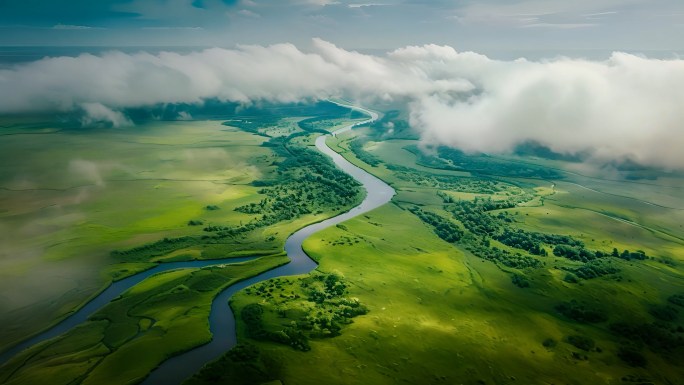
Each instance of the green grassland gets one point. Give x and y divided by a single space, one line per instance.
69 197
452 297
158 192
483 270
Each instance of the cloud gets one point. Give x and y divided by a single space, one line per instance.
248 13
623 107
86 170
559 25
72 27
96 113
362 5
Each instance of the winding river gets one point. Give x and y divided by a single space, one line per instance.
221 319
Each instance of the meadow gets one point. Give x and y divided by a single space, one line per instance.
452 299
70 196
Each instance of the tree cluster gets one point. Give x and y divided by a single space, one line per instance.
443 227
321 312
356 146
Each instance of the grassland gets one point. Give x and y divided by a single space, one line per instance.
441 311
69 197
483 270
154 193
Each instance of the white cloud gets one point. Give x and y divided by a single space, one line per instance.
361 5
96 113
248 13
626 106
559 25
72 27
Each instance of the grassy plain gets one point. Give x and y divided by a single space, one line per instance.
439 314
68 197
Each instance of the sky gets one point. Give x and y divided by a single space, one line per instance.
441 59
487 26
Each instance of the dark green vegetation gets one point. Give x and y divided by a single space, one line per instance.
286 311
307 183
452 159
314 307
242 365
482 271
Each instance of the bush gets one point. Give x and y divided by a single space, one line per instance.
580 313
581 342
244 353
571 278
676 299
549 343
664 312
632 357
520 281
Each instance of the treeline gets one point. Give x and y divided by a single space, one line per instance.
251 119
356 147
320 124
443 227
453 159
590 270
448 182
484 250
577 252
533 242
155 249
474 216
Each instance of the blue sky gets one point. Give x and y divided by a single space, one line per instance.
479 25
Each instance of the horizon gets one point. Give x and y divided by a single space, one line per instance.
489 26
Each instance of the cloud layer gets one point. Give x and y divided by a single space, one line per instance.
623 107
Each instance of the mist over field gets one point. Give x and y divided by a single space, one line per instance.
623 107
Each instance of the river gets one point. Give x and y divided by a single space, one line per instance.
221 320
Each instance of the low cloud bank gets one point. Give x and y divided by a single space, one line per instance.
626 107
